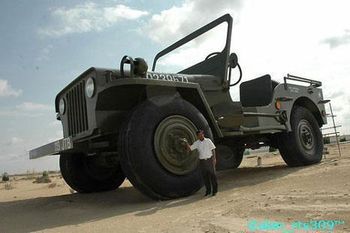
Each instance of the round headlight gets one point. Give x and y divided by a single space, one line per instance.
90 87
62 106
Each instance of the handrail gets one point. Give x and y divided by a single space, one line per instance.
313 83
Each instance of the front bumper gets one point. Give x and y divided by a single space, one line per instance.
53 148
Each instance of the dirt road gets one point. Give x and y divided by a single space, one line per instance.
272 192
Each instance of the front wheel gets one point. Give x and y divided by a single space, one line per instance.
304 144
153 158
85 175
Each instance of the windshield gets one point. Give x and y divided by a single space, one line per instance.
194 51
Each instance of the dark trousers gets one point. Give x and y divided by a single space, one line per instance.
208 174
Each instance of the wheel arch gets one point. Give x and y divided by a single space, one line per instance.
139 93
197 99
311 106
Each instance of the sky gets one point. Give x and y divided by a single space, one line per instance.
44 45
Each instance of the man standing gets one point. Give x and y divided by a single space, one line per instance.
207 161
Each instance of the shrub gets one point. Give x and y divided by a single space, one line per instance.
272 149
43 179
45 174
5 177
342 139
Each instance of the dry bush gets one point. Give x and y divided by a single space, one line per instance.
30 175
9 186
52 185
44 178
45 174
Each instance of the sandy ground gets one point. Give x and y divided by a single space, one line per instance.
272 192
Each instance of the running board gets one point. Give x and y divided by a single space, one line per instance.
262 128
255 114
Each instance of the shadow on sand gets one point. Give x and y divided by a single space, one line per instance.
49 212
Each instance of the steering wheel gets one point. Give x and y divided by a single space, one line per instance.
212 54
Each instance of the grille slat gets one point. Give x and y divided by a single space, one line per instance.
78 107
85 120
77 113
81 125
70 114
74 110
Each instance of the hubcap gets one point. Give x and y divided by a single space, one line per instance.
306 135
169 150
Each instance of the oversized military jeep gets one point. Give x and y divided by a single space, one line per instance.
131 122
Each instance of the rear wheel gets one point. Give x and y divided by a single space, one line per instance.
304 144
85 175
228 157
153 158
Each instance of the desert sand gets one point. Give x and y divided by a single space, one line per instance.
271 192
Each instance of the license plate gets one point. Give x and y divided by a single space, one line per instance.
63 144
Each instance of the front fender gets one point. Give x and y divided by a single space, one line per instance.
122 95
312 99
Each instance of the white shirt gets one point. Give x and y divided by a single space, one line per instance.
204 148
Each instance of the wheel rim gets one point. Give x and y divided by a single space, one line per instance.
168 148
306 135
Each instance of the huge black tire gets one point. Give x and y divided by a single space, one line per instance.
228 157
145 161
303 145
83 174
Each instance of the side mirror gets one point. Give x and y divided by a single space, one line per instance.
233 60
233 63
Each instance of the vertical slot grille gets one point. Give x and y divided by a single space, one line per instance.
76 109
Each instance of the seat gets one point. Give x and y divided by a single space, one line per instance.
257 92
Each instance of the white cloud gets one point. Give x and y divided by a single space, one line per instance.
336 41
88 17
58 135
44 53
56 124
195 51
18 113
13 141
6 90
30 106
27 109
176 22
